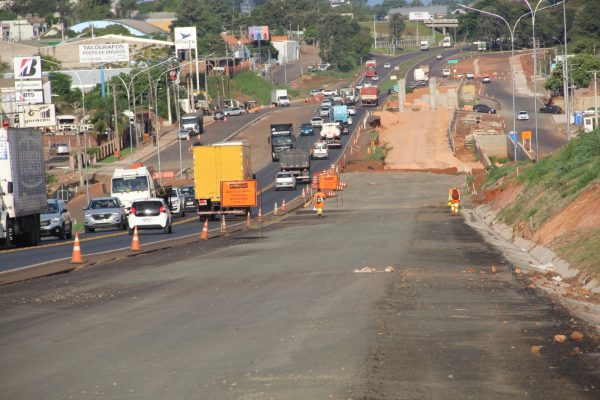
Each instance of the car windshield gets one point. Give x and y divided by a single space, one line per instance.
188 120
134 184
52 208
103 203
187 190
281 140
284 175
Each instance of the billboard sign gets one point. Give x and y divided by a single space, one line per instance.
104 53
258 33
419 16
28 85
328 182
238 193
27 68
37 116
35 97
185 38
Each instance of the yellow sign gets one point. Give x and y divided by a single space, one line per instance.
526 135
238 193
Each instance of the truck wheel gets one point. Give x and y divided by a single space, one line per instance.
70 232
182 213
61 233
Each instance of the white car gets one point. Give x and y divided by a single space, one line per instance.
351 110
327 103
486 79
387 65
177 202
285 180
316 122
319 151
523 116
328 92
367 84
438 57
151 213
375 78
325 111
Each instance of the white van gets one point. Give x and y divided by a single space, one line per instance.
66 124
132 184
320 151
424 45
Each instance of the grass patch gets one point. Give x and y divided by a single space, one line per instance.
583 250
50 178
256 88
110 159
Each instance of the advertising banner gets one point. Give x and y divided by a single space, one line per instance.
185 38
35 97
238 193
27 68
103 53
28 85
37 116
258 33
419 16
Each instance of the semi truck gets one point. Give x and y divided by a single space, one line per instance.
279 98
370 68
193 123
216 163
340 114
369 96
297 162
419 75
331 134
281 138
22 186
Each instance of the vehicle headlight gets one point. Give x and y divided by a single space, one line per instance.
88 217
55 220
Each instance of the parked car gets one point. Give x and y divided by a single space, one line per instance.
484 108
189 194
523 116
56 221
151 213
319 151
316 122
470 76
551 109
387 65
311 68
486 79
306 129
219 115
104 212
62 149
285 180
325 111
232 111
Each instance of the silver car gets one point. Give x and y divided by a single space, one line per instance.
105 212
56 221
285 180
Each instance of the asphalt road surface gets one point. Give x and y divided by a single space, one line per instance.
287 316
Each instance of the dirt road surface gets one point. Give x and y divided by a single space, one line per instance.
286 316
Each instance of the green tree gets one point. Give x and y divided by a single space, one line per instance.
581 68
342 41
397 24
52 64
125 8
61 83
88 10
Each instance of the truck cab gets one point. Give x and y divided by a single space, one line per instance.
132 184
192 123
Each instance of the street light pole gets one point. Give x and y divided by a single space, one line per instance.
566 69
565 75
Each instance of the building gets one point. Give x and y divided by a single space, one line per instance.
134 27
289 50
22 29
435 10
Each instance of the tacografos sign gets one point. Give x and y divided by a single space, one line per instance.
103 53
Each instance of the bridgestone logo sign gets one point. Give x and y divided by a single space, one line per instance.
103 53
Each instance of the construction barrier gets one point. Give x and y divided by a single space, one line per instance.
135 241
76 258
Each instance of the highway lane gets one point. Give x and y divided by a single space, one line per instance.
107 241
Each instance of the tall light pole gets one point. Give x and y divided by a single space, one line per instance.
565 65
565 76
128 118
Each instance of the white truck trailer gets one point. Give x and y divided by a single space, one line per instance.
22 186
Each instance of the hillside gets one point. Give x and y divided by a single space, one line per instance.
555 202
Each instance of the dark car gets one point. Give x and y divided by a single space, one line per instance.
484 108
550 109
189 196
306 129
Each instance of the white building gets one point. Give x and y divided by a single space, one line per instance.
289 50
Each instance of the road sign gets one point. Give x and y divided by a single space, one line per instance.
238 193
452 61
328 182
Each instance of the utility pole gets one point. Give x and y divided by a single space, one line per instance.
595 98
566 72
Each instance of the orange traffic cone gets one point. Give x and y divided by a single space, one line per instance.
259 218
248 220
204 234
283 205
76 258
135 242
